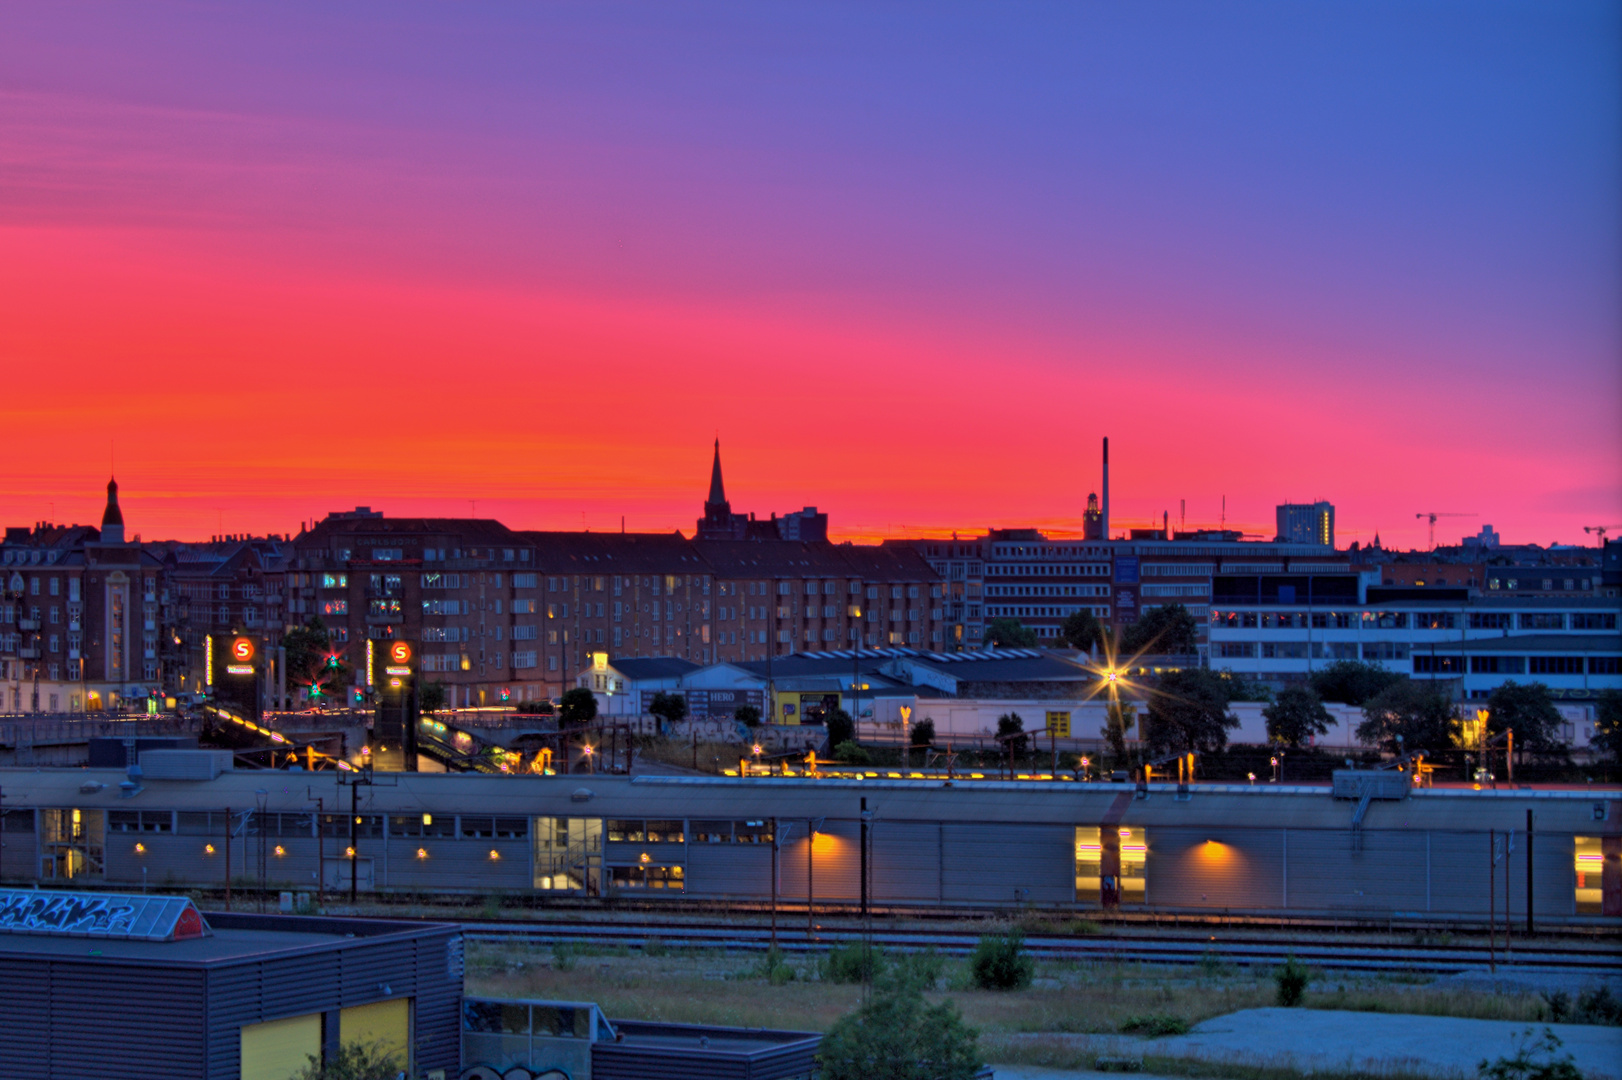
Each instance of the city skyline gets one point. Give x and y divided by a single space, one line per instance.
534 260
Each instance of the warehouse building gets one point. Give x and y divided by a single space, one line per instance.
135 986
959 844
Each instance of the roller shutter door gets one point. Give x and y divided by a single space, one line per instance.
1007 864
279 1049
384 1023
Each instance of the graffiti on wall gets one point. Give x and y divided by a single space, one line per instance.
157 918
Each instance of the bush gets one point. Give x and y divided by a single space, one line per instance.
1598 1007
747 715
923 732
1155 1025
852 753
562 957
922 968
896 1035
1534 1059
774 969
853 963
355 1061
1292 981
1000 962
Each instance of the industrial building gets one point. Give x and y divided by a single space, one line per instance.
961 844
149 988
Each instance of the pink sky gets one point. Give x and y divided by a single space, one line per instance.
281 262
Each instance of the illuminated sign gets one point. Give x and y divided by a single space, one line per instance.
599 661
208 660
392 670
399 653
242 650
1059 724
239 669
368 661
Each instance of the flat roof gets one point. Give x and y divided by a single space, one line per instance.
238 937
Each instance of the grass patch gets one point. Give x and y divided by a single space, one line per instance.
1155 1025
1059 1052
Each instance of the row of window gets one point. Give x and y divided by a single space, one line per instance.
1415 620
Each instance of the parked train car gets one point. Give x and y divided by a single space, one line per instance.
968 844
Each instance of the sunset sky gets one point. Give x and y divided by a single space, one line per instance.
909 261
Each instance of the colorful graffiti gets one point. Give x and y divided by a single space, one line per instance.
156 918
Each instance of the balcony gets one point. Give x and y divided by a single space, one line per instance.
27 624
28 654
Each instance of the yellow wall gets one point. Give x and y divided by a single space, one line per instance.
279 1049
385 1022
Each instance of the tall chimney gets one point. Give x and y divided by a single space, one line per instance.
1104 516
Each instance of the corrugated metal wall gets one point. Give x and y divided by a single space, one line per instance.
1007 864
729 870
837 870
19 858
1331 870
425 968
398 866
905 861
96 1018
1215 868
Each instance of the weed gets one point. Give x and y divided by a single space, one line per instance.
1598 1007
1534 1059
923 968
563 957
1001 962
774 969
655 947
1212 964
1155 1025
1292 981
1559 1003
853 963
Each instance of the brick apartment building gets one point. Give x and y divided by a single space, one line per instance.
82 616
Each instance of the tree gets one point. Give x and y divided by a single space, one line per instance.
1118 720
1608 725
1010 634
1082 630
841 728
1528 710
1011 723
1416 711
355 1061
1169 629
1352 682
431 697
1188 711
852 753
896 1035
668 707
1296 716
311 661
747 715
923 732
577 706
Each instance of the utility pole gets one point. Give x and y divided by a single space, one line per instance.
775 840
227 858
1529 926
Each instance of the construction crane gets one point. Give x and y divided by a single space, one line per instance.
1601 530
1433 515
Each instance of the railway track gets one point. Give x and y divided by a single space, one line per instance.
1602 957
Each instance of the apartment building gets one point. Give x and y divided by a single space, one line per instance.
82 617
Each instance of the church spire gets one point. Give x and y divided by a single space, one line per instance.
718 494
112 519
